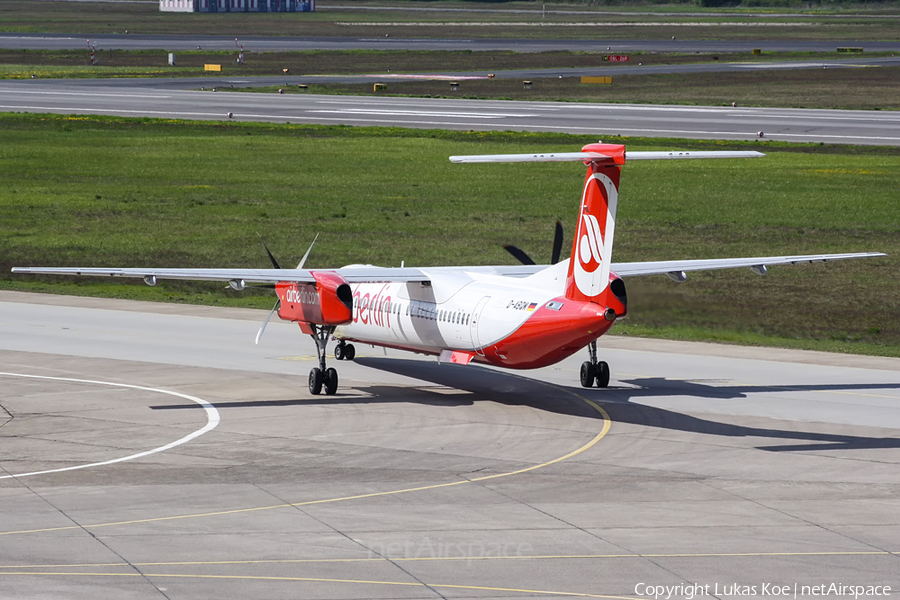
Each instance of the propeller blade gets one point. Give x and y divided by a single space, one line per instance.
262 329
305 256
519 254
557 243
272 258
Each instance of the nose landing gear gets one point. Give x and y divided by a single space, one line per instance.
323 377
593 371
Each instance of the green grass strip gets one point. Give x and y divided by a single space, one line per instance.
109 191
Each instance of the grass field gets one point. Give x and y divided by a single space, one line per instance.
864 23
93 191
359 61
115 63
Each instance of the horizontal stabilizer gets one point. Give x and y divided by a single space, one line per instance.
589 156
702 154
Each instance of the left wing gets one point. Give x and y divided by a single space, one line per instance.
351 274
238 277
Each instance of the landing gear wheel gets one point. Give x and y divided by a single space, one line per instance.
349 352
588 373
315 381
340 351
331 381
602 374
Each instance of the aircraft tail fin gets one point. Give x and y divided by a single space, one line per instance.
588 277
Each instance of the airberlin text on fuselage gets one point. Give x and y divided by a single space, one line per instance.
305 295
372 309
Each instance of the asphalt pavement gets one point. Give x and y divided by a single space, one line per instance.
174 43
153 451
113 97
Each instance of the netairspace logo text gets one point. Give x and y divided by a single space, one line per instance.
689 591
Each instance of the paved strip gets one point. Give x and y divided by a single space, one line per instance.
796 125
173 43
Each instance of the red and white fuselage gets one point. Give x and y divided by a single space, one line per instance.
522 324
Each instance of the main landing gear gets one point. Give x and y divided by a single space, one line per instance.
593 371
344 351
321 377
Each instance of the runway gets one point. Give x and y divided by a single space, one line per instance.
596 120
704 464
193 98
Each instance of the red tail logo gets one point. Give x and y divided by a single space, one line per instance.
588 276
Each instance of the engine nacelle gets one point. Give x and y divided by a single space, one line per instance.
616 297
328 301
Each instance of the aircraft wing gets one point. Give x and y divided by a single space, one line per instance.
758 263
364 274
372 274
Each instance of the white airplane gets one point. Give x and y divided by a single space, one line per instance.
520 317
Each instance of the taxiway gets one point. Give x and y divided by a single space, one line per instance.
700 463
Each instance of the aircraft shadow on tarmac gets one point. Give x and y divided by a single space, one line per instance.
482 384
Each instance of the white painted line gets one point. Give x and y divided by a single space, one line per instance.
754 112
91 94
212 420
418 113
84 110
450 103
36 37
425 76
740 135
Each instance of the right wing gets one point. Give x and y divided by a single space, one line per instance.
759 263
